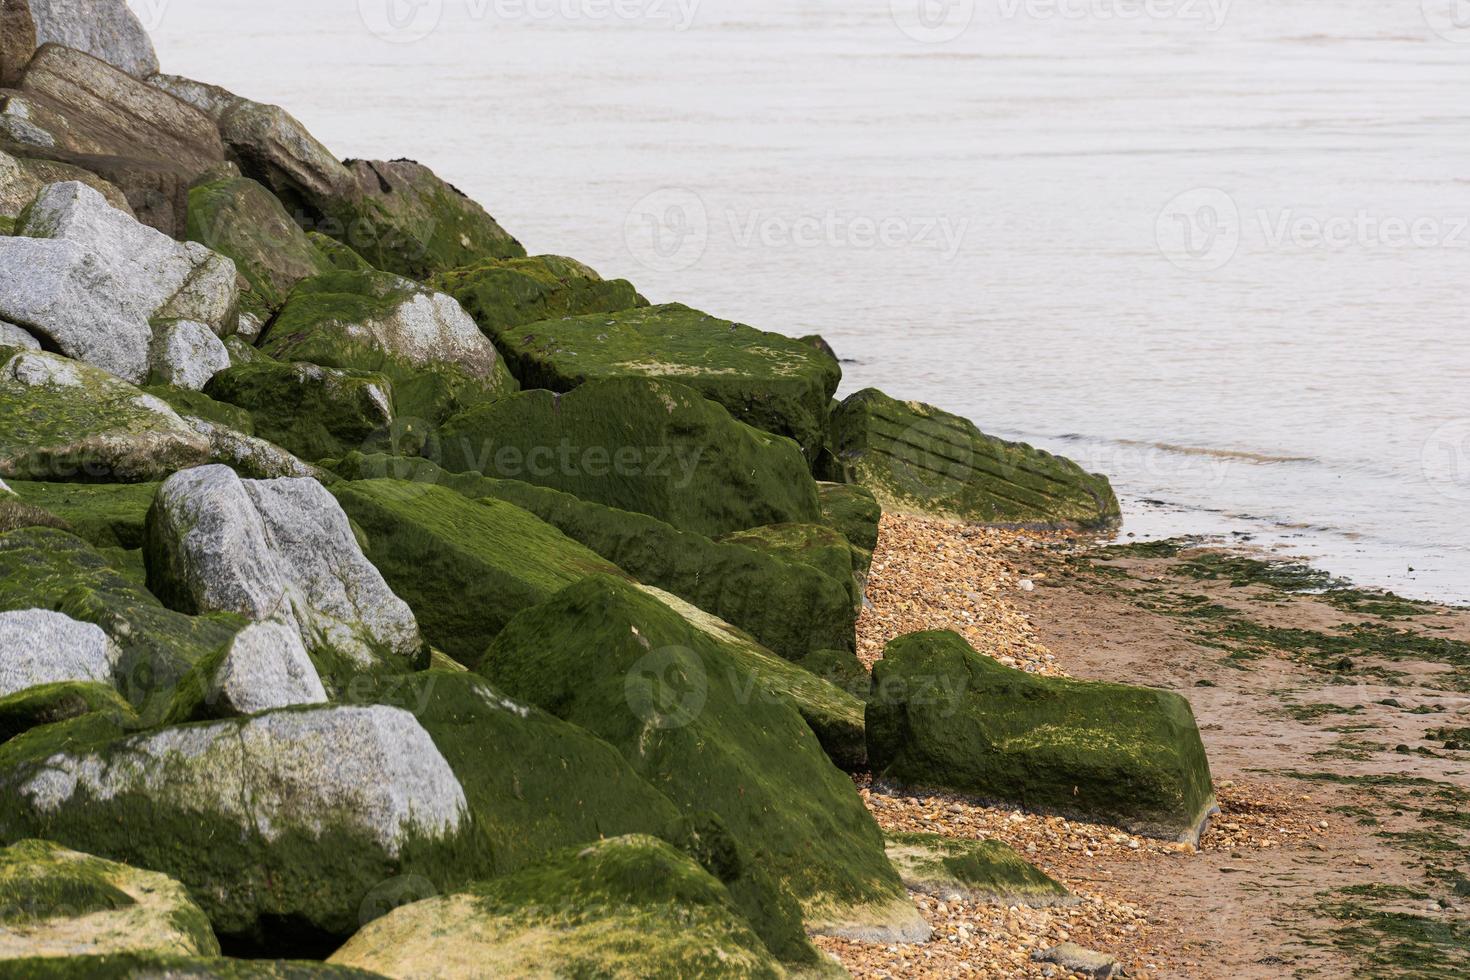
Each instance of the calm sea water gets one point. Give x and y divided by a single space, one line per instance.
1219 251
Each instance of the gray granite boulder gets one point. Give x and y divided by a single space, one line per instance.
104 29
277 551
288 817
13 336
62 420
186 354
39 647
89 278
264 667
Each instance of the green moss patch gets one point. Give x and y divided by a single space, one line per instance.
854 512
132 966
943 716
644 445
106 515
310 411
506 294
197 403
465 567
40 880
918 459
1377 930
52 703
972 871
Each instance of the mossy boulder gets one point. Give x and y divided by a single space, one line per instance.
855 513
42 568
973 872
239 218
57 902
63 420
917 459
308 410
280 825
639 444
147 966
625 907
465 567
337 255
105 515
619 662
788 606
52 703
813 545
196 404
769 381
421 340
942 716
506 294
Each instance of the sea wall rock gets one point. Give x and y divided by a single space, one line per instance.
503 294
310 411
105 29
252 458
56 902
942 716
64 420
624 907
39 647
278 551
186 354
640 444
436 357
917 459
287 818
95 278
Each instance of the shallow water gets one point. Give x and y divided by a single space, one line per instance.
1216 250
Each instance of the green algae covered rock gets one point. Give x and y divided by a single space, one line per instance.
147 966
943 716
769 381
105 515
310 411
239 218
421 340
917 459
813 545
52 703
505 294
65 420
832 711
281 825
986 872
606 656
625 907
465 567
56 902
788 606
197 404
854 512
42 568
645 445
337 255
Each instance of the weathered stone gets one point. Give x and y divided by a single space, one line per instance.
1079 961
104 29
54 703
504 294
308 410
105 515
917 459
39 647
606 656
18 188
972 872
63 420
855 513
13 336
95 277
623 907
87 106
155 191
641 444
186 354
24 175
941 716
264 667
252 458
274 551
764 379
287 817
436 357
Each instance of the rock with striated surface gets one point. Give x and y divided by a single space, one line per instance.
438 360
104 29
186 354
274 551
288 817
264 667
39 647
62 420
55 902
